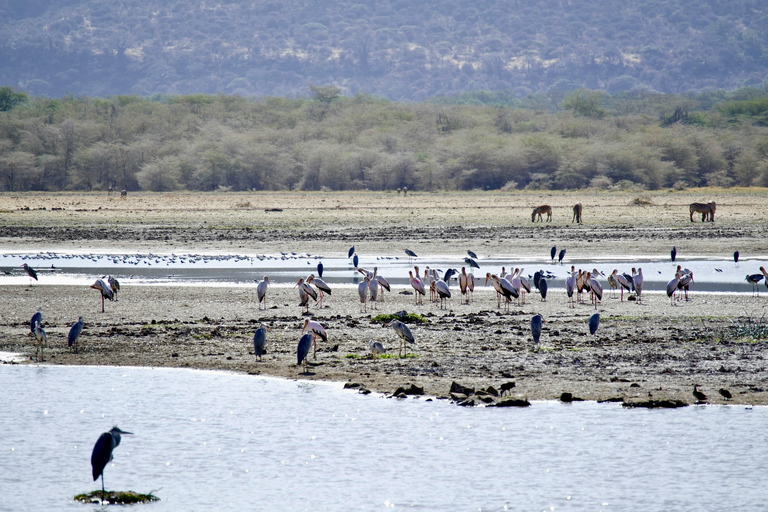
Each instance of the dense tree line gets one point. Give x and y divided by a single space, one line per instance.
329 141
398 49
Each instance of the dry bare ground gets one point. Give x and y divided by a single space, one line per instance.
641 352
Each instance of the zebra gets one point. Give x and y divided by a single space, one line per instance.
577 213
540 211
707 211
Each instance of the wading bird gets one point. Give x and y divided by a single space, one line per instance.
543 289
594 323
536 328
302 350
595 288
261 291
42 339
305 292
105 290
570 286
443 292
736 257
410 254
37 318
463 285
753 279
30 272
315 329
725 393
765 275
418 287
351 251
403 332
561 256
102 454
320 269
259 341
74 333
362 291
472 255
553 253
321 286
685 279
673 253
698 394
381 280
376 348
505 288
472 263
621 281
637 279
114 285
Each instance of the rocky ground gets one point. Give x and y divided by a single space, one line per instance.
641 352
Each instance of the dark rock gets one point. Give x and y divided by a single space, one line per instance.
352 385
655 404
609 400
458 396
512 402
458 388
492 391
634 385
487 399
364 391
467 403
414 390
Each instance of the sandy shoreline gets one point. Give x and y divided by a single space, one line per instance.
650 351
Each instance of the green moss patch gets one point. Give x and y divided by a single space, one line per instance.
409 318
116 497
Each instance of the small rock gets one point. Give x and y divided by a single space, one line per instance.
458 388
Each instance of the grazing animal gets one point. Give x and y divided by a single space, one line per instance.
504 388
707 211
124 193
74 333
102 453
544 209
577 213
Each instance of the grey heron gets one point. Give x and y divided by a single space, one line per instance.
754 279
74 333
42 339
594 323
302 350
37 318
102 453
536 322
259 341
376 348
561 256
30 272
553 253
472 255
403 332
673 253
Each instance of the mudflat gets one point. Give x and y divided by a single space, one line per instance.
641 351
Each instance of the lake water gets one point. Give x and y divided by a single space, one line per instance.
243 270
219 441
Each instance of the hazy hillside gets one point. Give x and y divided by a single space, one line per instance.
399 49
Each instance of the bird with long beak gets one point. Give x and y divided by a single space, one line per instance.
314 328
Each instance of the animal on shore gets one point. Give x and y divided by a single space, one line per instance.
321 286
506 387
74 334
637 279
37 318
114 285
707 211
472 255
443 292
553 253
42 340
261 291
30 272
102 453
302 350
543 289
577 208
594 323
403 332
316 329
754 279
701 397
305 292
736 257
259 341
673 253
418 287
561 256
363 288
536 322
410 254
376 348
105 291
725 393
544 209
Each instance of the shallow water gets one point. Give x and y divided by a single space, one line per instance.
218 441
231 270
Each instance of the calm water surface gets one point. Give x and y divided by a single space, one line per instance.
218 441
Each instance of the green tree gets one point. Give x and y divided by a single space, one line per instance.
10 99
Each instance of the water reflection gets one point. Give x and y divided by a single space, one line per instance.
211 441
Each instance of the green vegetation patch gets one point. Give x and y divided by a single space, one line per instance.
408 318
116 497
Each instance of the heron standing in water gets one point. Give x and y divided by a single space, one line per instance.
102 453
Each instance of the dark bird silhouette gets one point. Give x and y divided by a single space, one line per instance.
102 453
725 393
259 340
351 251
303 349
673 253
543 288
701 397
553 252
472 255
37 318
561 256
537 278
30 272
536 328
74 333
355 260
753 279
403 332
320 269
736 256
410 253
594 323
471 262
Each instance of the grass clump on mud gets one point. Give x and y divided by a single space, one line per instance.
744 329
408 318
116 497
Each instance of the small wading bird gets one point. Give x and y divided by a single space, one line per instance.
30 272
754 279
105 290
594 323
42 339
561 256
376 348
403 332
536 328
74 333
102 454
259 341
302 350
261 291
114 285
315 329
